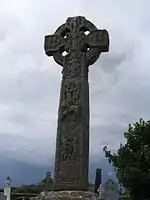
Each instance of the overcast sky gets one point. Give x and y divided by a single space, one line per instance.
30 81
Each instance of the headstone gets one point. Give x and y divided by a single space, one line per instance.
49 181
7 189
98 180
111 190
72 144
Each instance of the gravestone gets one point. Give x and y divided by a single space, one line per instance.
72 142
7 189
98 180
111 190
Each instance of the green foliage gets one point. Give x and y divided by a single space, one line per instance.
132 160
126 195
35 188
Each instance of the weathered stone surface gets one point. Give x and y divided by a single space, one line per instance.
72 145
111 190
66 195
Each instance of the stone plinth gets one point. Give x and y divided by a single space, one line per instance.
66 195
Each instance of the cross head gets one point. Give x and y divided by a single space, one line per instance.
77 37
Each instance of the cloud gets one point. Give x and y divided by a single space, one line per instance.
30 81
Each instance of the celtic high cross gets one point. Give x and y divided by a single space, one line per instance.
72 143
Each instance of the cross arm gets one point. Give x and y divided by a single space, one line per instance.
53 44
99 39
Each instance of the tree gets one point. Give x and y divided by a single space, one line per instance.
132 160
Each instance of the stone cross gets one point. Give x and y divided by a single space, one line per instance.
83 43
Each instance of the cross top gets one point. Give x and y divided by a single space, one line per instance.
73 39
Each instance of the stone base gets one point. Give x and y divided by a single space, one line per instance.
66 195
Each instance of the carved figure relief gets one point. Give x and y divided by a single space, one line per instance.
72 68
70 97
68 148
70 130
72 93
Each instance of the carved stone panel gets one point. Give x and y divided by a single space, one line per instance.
68 172
69 148
69 135
70 100
69 141
72 69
